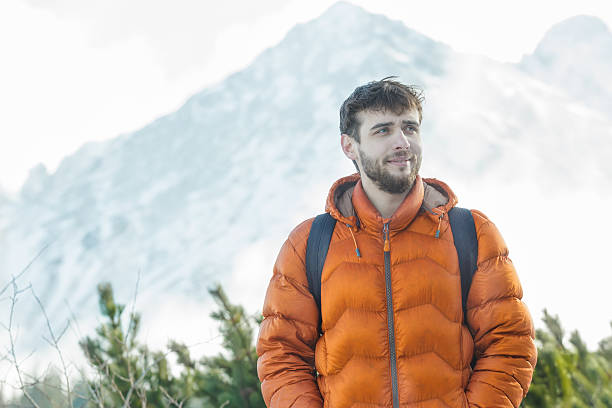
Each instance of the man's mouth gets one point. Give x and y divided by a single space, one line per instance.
400 161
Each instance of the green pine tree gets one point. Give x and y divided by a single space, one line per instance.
230 379
128 373
568 377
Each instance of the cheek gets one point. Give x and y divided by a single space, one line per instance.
381 150
417 147
377 151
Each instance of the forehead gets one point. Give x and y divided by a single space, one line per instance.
368 118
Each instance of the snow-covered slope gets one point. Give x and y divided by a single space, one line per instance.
5 207
209 192
576 56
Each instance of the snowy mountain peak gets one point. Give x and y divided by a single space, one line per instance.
586 34
575 31
351 23
344 39
36 182
4 198
342 10
576 56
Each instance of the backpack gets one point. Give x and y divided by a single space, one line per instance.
464 235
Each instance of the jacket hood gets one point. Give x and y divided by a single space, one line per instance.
347 202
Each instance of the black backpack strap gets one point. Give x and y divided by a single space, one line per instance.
466 243
316 252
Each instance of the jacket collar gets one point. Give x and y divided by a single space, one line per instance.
348 203
339 200
401 218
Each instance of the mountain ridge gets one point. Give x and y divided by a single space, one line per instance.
585 71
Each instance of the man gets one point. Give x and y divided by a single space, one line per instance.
393 332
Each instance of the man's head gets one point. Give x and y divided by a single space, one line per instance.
380 127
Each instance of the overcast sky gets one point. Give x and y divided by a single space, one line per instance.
78 70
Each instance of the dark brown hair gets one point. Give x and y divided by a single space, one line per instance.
385 94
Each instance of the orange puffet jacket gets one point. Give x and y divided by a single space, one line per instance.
392 319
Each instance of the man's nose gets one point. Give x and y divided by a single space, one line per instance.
401 140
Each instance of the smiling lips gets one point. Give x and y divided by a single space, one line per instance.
399 161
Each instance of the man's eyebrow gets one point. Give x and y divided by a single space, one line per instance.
379 125
404 122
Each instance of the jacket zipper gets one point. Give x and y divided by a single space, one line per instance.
390 325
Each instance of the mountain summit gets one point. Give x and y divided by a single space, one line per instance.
575 55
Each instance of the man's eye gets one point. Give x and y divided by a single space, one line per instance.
410 129
381 130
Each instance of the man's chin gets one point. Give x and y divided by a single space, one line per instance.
396 185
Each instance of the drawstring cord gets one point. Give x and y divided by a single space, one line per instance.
439 221
354 240
439 224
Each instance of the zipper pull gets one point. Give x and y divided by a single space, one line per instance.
387 246
439 224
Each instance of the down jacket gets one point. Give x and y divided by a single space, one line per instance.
392 331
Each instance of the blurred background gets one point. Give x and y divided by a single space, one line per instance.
165 147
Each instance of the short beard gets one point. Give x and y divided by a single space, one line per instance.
384 179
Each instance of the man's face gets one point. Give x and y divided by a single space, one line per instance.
390 151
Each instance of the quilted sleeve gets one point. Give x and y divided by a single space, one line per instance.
289 331
500 324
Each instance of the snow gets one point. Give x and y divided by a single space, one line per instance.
575 55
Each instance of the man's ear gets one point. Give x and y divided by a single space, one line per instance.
349 146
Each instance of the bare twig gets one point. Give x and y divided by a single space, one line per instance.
131 329
93 387
145 371
24 269
95 393
131 325
177 404
55 343
74 320
12 352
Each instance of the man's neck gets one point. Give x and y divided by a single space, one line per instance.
385 203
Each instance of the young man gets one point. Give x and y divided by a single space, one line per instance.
393 331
